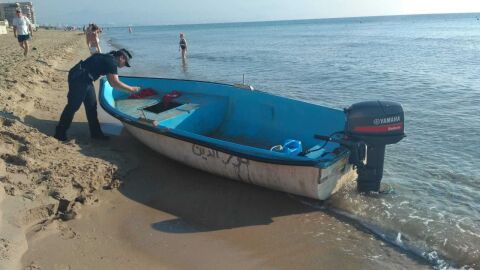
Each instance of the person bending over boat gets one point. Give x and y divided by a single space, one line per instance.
81 89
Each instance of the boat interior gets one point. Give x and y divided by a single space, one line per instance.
226 115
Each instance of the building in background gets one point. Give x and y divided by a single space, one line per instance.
7 11
3 27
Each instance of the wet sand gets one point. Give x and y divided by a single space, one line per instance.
165 215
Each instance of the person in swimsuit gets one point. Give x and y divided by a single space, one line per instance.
183 46
93 41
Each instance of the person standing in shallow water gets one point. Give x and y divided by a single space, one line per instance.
22 30
81 89
183 46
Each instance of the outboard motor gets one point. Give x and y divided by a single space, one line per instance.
373 124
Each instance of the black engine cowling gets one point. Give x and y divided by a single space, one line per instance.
374 124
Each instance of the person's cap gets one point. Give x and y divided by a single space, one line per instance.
127 56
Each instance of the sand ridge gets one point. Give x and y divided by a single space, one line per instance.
38 174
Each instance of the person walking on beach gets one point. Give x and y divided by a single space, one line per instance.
183 46
81 89
93 40
22 30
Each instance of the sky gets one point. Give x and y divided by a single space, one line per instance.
167 12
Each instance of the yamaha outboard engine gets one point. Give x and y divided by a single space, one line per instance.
373 124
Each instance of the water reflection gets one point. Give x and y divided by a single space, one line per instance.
184 66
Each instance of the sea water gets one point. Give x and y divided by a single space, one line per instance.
428 63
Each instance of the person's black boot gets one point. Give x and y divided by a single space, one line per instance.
60 134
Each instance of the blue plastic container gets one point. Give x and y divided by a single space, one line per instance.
292 147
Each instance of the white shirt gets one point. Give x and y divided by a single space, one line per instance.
21 23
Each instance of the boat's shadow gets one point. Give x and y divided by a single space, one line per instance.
200 201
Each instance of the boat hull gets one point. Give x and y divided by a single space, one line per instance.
309 181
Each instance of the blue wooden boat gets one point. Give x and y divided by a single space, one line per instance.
257 137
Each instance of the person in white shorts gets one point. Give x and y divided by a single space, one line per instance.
93 40
22 30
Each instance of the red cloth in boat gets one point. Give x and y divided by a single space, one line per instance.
147 92
167 98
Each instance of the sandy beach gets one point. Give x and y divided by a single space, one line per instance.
118 205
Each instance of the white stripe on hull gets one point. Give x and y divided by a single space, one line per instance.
300 180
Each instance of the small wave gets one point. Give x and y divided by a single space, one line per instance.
395 238
222 59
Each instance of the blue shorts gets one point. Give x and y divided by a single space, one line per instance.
22 38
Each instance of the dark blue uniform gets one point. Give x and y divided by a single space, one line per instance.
81 90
